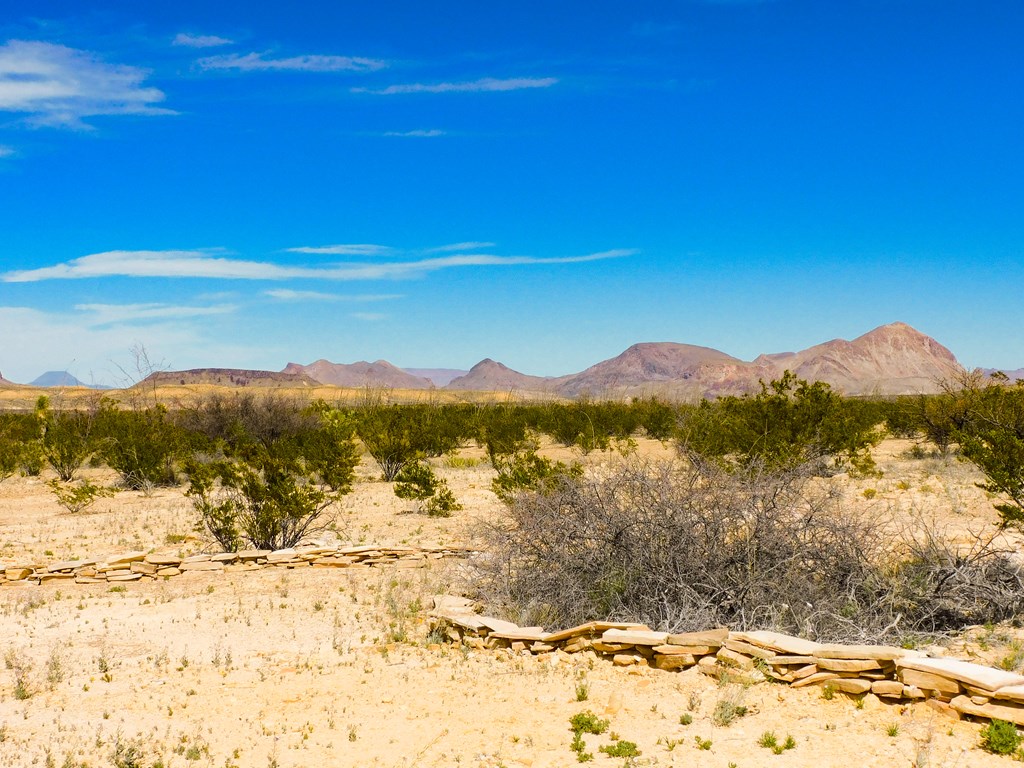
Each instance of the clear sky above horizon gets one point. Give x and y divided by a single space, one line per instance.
247 184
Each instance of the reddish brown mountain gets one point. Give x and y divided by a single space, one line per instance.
892 359
491 376
362 374
227 377
664 367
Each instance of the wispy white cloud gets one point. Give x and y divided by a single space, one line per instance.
6 151
369 316
106 314
285 294
484 84
154 264
417 134
456 247
37 341
201 264
258 62
200 41
54 85
350 249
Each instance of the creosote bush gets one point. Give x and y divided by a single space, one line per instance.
268 502
417 482
77 497
685 547
790 423
526 471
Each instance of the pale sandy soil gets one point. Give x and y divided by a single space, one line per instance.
325 667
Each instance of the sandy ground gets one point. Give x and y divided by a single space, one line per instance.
334 667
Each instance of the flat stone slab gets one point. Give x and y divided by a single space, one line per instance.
877 652
748 649
1010 693
888 688
715 637
43 578
853 685
848 665
980 676
330 561
125 559
201 565
929 681
778 642
992 710
791 661
282 556
465 619
253 554
589 629
69 565
674 661
157 558
500 625
634 637
533 634
686 650
452 603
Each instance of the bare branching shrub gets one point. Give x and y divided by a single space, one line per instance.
690 547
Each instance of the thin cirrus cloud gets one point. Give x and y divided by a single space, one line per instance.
286 294
200 41
417 134
483 85
259 62
56 86
345 249
202 264
456 247
107 314
371 249
6 151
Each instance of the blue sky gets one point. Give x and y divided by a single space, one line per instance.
241 184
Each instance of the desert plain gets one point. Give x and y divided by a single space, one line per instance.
337 666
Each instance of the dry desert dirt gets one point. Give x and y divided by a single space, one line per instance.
333 666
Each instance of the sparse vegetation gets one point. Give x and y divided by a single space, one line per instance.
1000 737
417 482
78 497
774 550
790 423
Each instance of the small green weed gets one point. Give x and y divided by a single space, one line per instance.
1000 737
588 722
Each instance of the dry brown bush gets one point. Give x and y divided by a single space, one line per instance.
690 547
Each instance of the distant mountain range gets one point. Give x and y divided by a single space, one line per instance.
62 379
889 360
892 359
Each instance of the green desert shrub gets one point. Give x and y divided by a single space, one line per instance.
1000 737
789 423
397 435
526 471
418 482
142 445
